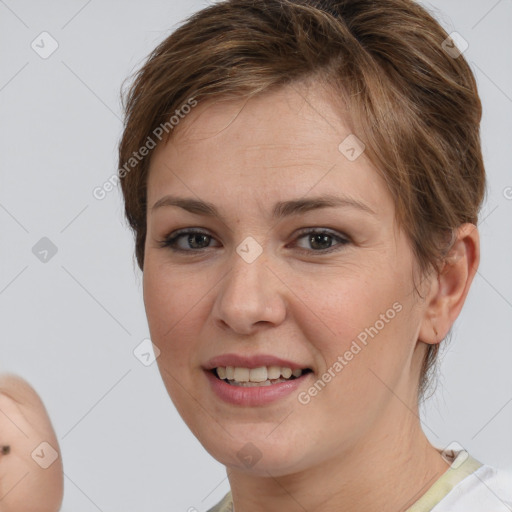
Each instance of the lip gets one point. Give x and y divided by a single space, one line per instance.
254 361
253 396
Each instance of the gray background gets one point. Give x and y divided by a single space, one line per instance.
70 325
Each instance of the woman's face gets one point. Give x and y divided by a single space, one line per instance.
273 280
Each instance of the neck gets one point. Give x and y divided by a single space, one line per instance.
388 470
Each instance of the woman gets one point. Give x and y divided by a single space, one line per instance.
303 179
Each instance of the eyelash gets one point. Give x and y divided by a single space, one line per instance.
170 241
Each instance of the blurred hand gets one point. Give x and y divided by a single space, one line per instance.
31 474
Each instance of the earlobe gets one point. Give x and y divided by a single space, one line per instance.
448 294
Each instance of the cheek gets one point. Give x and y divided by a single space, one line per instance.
363 335
337 310
174 300
173 308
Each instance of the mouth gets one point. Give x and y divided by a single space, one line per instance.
257 377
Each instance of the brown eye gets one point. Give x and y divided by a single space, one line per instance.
187 240
322 241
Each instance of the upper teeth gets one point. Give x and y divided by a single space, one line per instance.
260 374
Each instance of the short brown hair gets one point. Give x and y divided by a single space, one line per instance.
415 106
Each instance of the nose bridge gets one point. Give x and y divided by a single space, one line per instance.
244 276
249 293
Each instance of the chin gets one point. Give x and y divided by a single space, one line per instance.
257 454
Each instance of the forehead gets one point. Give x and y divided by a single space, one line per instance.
286 143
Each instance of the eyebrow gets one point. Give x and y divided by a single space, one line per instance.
281 209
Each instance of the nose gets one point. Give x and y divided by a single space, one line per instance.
251 296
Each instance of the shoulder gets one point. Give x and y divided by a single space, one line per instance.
225 505
485 490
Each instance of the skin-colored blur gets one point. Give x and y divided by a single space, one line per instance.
358 440
25 485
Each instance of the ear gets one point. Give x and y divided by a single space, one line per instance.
448 292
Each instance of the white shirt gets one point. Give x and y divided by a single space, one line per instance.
485 490
467 486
